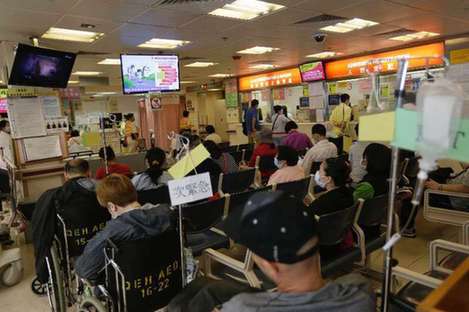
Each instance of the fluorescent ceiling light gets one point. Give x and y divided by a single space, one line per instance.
187 82
263 66
214 89
106 93
110 61
73 81
71 35
157 43
258 50
415 36
349 25
87 73
246 9
220 75
200 64
323 55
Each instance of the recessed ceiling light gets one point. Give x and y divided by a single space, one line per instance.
71 35
349 25
263 66
187 82
87 73
73 81
415 36
246 9
157 43
200 64
323 55
258 50
221 75
110 61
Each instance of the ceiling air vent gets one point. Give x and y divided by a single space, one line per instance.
395 33
321 19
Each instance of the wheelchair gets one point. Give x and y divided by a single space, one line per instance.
140 276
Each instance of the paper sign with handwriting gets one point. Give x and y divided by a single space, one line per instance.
190 189
189 162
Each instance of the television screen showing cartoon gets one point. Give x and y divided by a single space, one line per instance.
149 73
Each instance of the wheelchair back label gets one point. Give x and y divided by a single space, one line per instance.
81 235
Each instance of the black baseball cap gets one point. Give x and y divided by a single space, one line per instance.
275 226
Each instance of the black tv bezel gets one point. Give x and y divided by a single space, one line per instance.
55 53
154 91
323 70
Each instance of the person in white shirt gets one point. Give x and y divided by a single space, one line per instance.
355 157
279 120
212 136
75 144
322 149
6 154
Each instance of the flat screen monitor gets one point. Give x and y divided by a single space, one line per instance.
313 71
334 99
38 67
149 73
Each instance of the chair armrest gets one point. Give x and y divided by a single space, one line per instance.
465 239
451 194
416 277
444 245
224 259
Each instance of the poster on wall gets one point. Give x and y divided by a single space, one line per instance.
155 102
231 92
26 117
42 148
51 106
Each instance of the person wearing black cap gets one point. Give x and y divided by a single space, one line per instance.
283 236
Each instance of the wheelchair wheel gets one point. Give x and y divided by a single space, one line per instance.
38 288
57 291
11 274
92 304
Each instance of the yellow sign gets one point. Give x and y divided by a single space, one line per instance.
189 162
3 93
459 56
377 127
332 88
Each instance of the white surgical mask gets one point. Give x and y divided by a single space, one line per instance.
317 179
363 164
277 163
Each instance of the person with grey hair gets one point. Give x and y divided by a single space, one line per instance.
264 148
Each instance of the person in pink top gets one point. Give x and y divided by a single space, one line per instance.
287 162
295 139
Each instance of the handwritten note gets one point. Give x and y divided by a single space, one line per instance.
26 117
189 162
190 189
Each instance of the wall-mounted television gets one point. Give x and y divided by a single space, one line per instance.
39 67
149 73
313 71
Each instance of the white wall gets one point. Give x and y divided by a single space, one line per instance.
125 104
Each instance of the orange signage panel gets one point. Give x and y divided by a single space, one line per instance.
273 79
357 66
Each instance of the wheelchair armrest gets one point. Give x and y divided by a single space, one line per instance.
415 277
224 259
444 245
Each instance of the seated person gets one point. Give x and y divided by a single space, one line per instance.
211 135
265 148
208 165
284 239
75 144
322 149
287 162
377 163
355 156
295 139
130 221
155 175
112 165
332 176
76 203
224 160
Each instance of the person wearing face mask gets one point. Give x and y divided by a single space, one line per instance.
332 176
130 221
322 149
287 162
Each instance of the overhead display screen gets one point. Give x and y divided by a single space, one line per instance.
149 73
312 72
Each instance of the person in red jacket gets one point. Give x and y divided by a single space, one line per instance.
113 166
267 150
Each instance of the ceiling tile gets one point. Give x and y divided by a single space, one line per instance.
164 17
117 11
74 22
49 6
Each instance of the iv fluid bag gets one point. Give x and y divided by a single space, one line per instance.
439 105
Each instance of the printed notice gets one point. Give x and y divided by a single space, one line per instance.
190 189
26 117
42 147
51 107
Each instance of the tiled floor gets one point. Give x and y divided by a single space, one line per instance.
411 253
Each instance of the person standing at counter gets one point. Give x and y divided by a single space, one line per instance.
252 121
279 121
340 118
131 133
